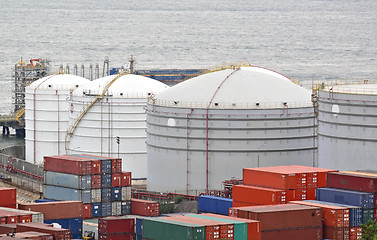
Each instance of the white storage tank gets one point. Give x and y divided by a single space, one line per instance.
208 128
111 107
46 115
347 127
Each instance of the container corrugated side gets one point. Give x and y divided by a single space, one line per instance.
66 194
212 204
257 195
356 181
116 208
126 193
122 224
106 209
67 180
145 208
74 224
161 229
312 233
68 164
55 210
96 195
35 216
8 197
362 199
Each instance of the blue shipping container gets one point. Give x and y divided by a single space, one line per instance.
361 199
96 210
106 180
356 213
126 207
212 204
44 200
106 195
74 224
106 209
66 194
116 194
106 166
139 226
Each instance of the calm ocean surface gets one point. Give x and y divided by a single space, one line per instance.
303 39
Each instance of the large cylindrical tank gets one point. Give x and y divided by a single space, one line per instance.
113 125
46 115
347 127
208 128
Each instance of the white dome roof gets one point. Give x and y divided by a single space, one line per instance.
247 85
128 83
59 81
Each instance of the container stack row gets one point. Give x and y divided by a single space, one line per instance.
278 185
67 214
197 226
116 228
96 181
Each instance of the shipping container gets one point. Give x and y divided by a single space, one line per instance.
96 195
55 210
96 167
106 167
126 207
10 217
66 194
145 208
368 214
96 210
356 181
68 164
73 224
339 233
317 177
87 210
116 180
96 181
126 193
126 179
313 233
58 233
300 194
116 236
106 195
214 229
116 165
116 208
106 180
110 225
257 195
162 229
7 228
30 235
212 204
35 216
355 233
362 199
139 226
45 200
8 197
116 194
106 209
3 220
67 180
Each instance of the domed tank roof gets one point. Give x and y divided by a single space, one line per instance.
128 83
59 81
234 88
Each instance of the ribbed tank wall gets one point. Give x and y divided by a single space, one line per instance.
46 121
347 129
177 144
107 119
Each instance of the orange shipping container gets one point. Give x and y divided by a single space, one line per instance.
298 195
258 195
355 233
340 233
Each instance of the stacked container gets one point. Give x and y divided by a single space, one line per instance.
57 233
145 208
8 197
24 216
285 221
114 228
276 185
95 180
212 204
67 214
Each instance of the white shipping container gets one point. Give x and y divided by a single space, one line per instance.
126 193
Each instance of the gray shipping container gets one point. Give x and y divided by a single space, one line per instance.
66 194
126 193
116 208
96 195
68 180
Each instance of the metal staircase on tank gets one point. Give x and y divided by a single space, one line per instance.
72 128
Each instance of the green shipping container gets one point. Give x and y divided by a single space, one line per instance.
161 229
240 228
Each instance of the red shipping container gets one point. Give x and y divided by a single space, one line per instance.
116 180
68 164
356 233
24 218
145 208
8 197
55 210
118 236
126 179
7 228
11 217
357 181
3 220
311 233
339 233
58 233
110 225
96 167
87 210
333 216
116 165
320 175
253 226
96 181
214 229
258 195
